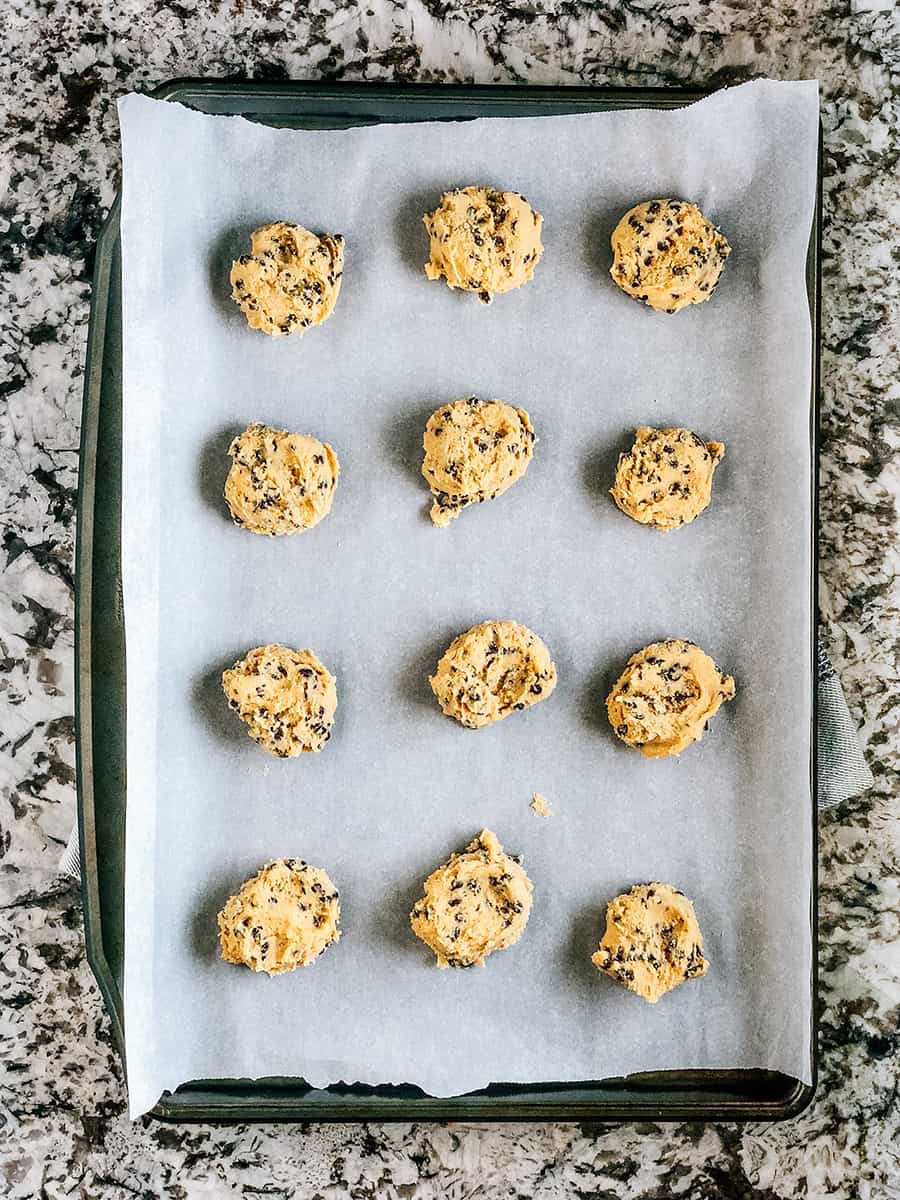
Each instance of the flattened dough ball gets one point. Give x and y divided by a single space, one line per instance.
492 670
290 280
666 254
652 941
663 699
483 241
282 918
666 477
477 902
286 697
280 482
474 450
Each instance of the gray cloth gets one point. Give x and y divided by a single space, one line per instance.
843 771
841 766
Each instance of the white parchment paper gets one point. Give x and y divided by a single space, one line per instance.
378 593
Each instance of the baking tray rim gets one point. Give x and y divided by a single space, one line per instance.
700 1095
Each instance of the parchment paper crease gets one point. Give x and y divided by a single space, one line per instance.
377 593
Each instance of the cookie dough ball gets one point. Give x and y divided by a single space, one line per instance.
286 697
663 699
279 482
666 477
474 450
483 241
290 279
282 918
652 941
667 254
492 670
477 902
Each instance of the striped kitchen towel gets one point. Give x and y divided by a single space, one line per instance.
843 771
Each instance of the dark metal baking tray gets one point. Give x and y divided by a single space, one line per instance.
100 665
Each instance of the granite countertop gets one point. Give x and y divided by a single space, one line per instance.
63 1129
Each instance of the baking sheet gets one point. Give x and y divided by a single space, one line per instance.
378 593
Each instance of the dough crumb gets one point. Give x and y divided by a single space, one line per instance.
667 254
474 450
483 241
652 941
287 698
477 902
290 280
493 669
662 701
666 478
541 805
282 918
279 482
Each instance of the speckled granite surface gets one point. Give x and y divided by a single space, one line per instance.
62 1128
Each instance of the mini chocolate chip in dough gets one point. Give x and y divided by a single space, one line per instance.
667 254
652 941
286 697
477 902
483 241
474 450
663 699
282 918
290 280
279 482
666 477
492 670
